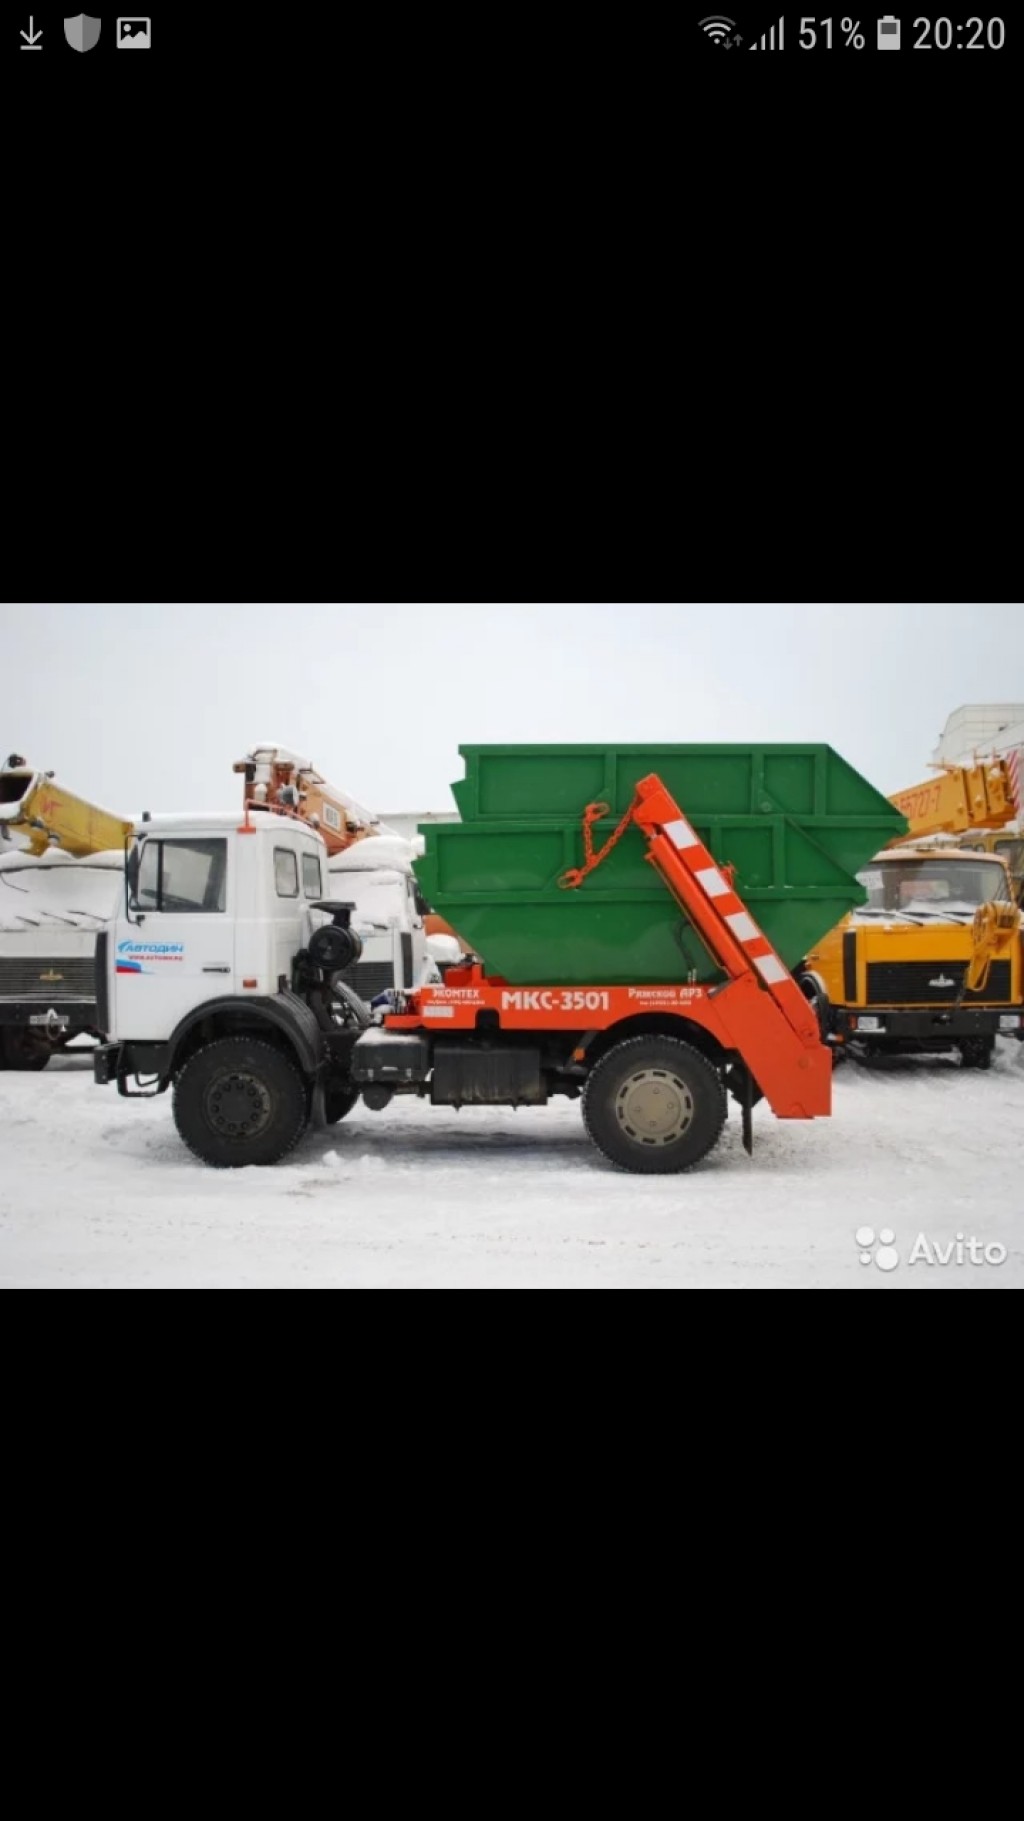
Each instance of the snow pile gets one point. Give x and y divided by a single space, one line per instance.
379 897
56 890
110 861
96 1191
377 851
445 949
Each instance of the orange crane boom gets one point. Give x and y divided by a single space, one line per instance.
280 780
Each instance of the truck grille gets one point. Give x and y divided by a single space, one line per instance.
368 978
913 983
46 980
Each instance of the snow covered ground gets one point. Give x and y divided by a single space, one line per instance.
98 1191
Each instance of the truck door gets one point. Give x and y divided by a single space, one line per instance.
175 948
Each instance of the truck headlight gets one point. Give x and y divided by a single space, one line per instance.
1009 1021
869 1024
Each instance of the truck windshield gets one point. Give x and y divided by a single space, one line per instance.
933 887
180 876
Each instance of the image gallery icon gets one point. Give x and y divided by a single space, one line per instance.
134 34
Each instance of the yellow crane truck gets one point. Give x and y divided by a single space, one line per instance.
934 959
37 815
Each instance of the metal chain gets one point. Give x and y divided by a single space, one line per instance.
595 812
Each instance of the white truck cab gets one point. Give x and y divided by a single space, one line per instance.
213 906
220 975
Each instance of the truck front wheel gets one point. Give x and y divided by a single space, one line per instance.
239 1101
654 1105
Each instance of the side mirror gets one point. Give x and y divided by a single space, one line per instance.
132 860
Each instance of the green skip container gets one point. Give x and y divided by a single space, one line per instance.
796 822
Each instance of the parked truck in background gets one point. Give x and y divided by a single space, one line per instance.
375 877
933 962
61 867
52 906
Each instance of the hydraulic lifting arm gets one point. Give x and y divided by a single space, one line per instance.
960 798
765 1016
279 780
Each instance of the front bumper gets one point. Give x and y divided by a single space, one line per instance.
940 1027
56 1017
124 1062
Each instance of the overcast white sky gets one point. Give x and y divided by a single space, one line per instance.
148 706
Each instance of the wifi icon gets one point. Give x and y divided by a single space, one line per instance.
717 26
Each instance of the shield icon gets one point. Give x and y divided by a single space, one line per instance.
82 32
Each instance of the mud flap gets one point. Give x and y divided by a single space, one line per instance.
748 1114
745 1091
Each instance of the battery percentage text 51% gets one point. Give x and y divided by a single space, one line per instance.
850 28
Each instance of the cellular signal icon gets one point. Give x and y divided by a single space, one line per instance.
717 26
772 40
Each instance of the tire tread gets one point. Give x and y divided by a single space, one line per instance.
190 1073
710 1115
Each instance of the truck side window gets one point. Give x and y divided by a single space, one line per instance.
311 883
181 876
286 873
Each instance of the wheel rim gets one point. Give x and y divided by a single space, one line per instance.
238 1105
654 1107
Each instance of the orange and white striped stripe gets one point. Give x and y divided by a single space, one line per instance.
728 905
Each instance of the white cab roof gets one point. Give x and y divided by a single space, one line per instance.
224 821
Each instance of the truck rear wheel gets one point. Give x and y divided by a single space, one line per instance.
239 1101
654 1105
22 1049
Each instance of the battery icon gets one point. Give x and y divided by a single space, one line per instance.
888 33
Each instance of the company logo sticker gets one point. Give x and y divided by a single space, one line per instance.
135 957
